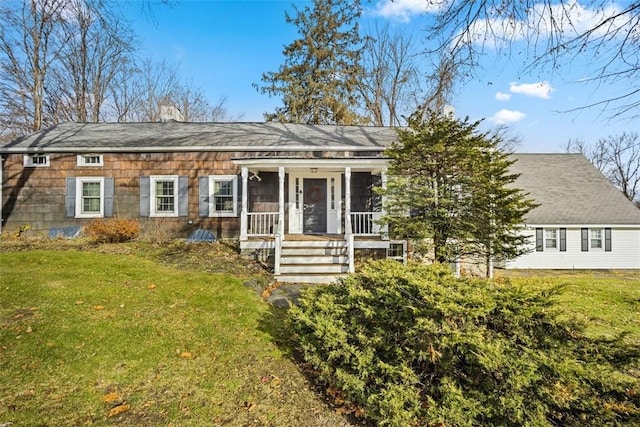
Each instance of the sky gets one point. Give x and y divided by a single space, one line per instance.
224 46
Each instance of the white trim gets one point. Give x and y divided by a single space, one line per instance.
153 180
81 160
603 226
355 163
556 239
27 160
212 200
296 215
80 181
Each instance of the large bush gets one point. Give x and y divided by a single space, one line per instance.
413 345
112 230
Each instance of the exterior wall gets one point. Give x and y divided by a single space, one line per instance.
624 254
35 196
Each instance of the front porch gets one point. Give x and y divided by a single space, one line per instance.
311 216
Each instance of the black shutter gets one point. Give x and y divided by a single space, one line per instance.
563 240
539 240
607 239
585 239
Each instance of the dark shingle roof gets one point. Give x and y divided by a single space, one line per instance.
176 136
570 190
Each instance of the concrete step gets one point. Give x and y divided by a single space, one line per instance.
306 251
314 244
313 268
313 259
308 278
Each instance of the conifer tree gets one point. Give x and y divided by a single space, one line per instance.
317 81
450 186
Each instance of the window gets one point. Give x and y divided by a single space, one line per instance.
164 196
223 195
36 160
596 238
90 160
551 238
397 250
218 195
89 197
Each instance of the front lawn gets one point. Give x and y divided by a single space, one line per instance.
111 336
145 335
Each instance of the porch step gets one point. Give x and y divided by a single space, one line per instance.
313 261
309 278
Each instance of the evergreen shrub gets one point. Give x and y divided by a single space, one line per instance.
413 345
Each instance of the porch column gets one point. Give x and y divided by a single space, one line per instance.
245 197
347 201
281 201
384 230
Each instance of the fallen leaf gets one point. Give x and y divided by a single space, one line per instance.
118 410
79 302
186 355
29 330
111 397
98 307
151 287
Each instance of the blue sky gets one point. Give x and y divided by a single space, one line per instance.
223 47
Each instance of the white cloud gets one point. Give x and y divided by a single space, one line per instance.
405 9
501 96
504 117
537 90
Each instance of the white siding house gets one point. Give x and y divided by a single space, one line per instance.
582 221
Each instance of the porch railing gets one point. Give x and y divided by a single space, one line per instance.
262 223
365 223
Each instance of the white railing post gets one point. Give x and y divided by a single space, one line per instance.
350 251
281 202
347 201
243 211
384 229
276 257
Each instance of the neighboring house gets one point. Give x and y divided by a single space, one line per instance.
583 221
301 194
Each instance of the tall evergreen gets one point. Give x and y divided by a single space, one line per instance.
449 186
318 79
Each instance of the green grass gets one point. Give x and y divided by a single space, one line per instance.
83 332
170 331
608 302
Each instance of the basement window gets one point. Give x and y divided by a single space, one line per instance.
397 251
36 160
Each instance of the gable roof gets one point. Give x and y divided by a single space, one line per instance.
571 191
568 188
180 136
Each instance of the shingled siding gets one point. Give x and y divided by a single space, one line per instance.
36 196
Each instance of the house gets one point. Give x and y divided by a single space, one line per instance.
582 221
300 195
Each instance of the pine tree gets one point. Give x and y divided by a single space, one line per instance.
449 186
318 79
